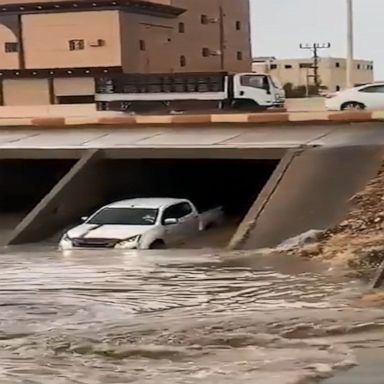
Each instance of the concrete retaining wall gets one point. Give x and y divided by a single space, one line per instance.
78 192
311 191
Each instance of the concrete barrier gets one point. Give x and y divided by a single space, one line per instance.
297 118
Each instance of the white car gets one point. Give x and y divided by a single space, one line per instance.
368 96
147 223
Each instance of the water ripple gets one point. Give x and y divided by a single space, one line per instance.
182 317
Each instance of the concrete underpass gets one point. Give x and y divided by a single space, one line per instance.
273 182
51 195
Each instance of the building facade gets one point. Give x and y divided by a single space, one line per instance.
332 71
50 52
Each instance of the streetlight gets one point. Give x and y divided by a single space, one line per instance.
350 44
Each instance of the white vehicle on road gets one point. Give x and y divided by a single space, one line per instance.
147 223
368 96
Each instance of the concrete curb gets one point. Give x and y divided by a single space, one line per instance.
241 119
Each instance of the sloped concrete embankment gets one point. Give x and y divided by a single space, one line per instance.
311 189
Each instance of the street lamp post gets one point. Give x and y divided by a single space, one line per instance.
350 44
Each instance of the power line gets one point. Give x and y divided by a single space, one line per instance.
315 47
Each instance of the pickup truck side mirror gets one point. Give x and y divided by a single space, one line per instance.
170 221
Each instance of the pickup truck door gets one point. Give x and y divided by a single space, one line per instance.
187 222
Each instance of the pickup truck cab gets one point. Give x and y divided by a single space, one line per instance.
147 223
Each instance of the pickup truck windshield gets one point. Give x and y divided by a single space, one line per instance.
125 216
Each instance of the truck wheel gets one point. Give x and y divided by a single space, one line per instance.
247 105
158 244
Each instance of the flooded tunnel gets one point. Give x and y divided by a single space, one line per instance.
233 184
50 178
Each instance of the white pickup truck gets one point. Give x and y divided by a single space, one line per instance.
147 223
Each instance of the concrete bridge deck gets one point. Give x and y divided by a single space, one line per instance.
200 136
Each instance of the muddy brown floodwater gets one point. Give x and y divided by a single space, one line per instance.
172 317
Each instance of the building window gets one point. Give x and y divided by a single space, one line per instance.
204 19
76 45
273 66
239 55
206 52
288 66
358 66
238 25
97 43
337 65
338 88
183 61
306 65
142 45
181 28
11 47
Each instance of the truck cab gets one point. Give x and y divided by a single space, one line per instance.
259 89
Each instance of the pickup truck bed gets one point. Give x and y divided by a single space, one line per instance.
211 217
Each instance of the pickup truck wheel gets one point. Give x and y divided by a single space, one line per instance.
158 244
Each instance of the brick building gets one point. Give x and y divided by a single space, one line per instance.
50 51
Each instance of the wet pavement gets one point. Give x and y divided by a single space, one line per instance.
174 316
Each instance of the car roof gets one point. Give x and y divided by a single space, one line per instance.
149 202
370 84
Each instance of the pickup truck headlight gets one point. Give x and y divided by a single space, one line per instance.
65 242
128 242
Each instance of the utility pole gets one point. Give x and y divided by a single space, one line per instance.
350 44
315 47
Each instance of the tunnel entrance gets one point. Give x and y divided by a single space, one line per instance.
232 184
23 183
